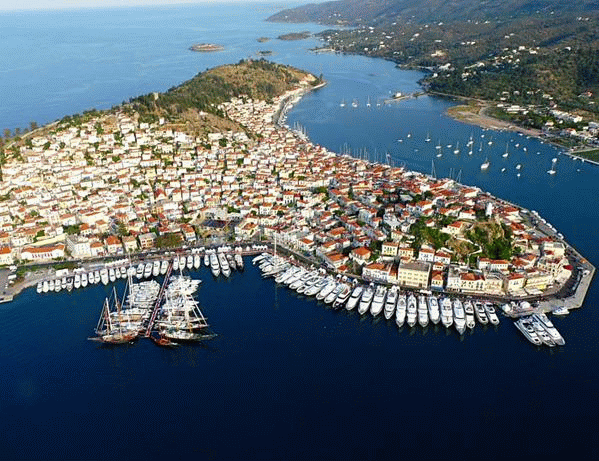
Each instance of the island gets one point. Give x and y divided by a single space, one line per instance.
206 47
264 53
295 36
161 171
263 39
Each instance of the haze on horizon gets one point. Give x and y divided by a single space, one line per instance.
10 5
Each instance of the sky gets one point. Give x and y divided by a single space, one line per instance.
7 5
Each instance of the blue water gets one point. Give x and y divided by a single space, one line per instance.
286 378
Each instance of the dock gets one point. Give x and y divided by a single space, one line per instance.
159 299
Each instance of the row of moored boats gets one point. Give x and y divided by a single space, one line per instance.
405 308
221 262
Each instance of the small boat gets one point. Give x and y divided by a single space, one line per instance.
175 264
97 277
139 273
561 311
207 259
485 164
457 148
57 285
342 103
506 153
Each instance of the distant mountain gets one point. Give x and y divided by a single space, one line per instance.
379 12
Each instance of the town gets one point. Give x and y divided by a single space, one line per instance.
114 185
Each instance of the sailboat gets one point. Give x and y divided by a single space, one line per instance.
457 148
342 104
506 153
485 165
428 137
480 148
552 170
368 102
470 141
438 146
490 141
110 329
354 103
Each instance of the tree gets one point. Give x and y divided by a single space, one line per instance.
7 133
33 125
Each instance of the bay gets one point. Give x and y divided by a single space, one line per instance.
286 377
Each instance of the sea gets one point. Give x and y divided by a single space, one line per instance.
287 377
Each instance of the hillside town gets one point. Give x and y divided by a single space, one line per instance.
114 185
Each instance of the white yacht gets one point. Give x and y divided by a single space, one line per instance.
97 277
175 264
550 328
207 259
485 164
366 299
400 311
458 316
301 280
189 262
422 311
104 276
481 315
493 318
332 296
355 297
541 332
469 314
197 262
214 265
40 287
433 309
412 310
163 266
147 270
57 285
76 283
446 312
525 326
378 300
319 285
343 295
45 286
391 302
84 279
239 261
312 279
224 265
139 273
330 286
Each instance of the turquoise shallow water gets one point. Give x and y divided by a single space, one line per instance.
286 377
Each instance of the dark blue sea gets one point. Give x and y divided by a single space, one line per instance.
286 378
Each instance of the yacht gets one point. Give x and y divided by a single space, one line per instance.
239 261
391 302
446 312
324 292
46 286
458 316
485 164
163 266
156 268
310 281
457 148
506 153
412 310
104 275
207 259
225 269
550 328
332 296
139 273
40 287
525 326
296 277
541 332
214 266
343 296
175 264
493 318
354 298
197 262
469 313
57 285
366 299
481 314
112 275
97 277
433 309
123 271
317 287
301 280
400 311
76 283
378 300
189 262
422 311
147 270
561 311
83 279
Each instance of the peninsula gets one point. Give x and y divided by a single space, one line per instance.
155 173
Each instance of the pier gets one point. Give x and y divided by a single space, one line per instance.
159 300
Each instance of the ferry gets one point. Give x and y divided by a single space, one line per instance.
378 300
391 302
366 299
355 297
412 310
400 311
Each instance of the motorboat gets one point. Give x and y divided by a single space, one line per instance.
459 316
353 300
422 311
433 309
481 314
400 311
469 313
412 310
366 299
378 300
491 314
446 313
391 302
